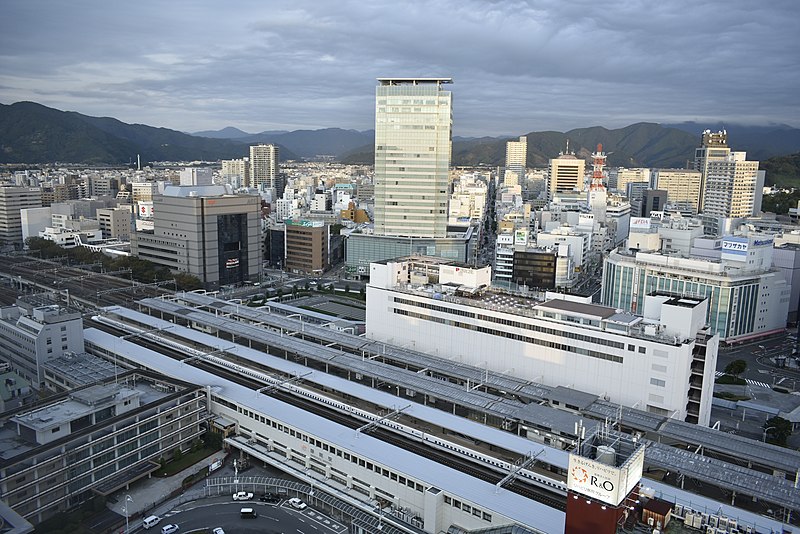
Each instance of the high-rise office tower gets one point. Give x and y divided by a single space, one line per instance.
730 183
264 167
565 175
413 138
516 160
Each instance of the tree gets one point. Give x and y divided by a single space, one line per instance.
187 282
735 368
347 288
777 430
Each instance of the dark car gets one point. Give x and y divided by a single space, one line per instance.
270 498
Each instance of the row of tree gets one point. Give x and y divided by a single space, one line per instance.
143 271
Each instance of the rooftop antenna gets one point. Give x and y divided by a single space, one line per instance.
567 151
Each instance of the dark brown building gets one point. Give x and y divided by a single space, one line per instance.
307 244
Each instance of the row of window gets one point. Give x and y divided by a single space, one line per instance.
313 442
512 323
516 337
467 509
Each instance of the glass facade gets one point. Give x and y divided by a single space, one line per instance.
232 248
413 136
732 306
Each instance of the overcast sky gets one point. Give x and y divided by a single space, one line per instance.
518 66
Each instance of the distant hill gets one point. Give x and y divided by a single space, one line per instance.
637 145
760 142
782 170
310 143
228 132
32 133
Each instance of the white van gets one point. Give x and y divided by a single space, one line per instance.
150 521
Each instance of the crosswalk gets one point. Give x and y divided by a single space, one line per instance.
750 381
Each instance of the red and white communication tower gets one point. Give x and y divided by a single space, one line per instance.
598 164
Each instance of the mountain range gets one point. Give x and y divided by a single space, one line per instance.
33 133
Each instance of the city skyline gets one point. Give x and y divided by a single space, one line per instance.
519 67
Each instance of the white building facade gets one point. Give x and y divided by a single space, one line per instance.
747 297
663 363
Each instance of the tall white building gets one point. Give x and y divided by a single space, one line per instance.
662 362
12 200
516 161
731 184
264 168
413 138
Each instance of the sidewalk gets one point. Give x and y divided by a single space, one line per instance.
147 496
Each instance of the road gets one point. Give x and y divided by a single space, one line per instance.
271 519
759 355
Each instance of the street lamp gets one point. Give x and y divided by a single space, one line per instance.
764 439
128 499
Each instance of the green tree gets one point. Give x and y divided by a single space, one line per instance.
777 430
735 368
307 285
213 439
347 288
187 282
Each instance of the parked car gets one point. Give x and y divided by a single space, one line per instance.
218 530
242 496
169 529
270 498
294 502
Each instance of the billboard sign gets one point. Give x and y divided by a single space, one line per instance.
602 482
640 223
734 248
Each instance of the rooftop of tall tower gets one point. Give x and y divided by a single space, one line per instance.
414 81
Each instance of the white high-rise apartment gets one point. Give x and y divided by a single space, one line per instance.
264 167
413 139
516 161
235 171
12 200
730 183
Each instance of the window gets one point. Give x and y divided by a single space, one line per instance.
657 382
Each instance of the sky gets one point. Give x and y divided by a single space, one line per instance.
517 66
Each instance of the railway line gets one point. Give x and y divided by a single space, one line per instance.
444 457
86 286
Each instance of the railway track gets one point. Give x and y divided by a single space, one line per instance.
461 464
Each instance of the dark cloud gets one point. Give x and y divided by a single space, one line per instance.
518 66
